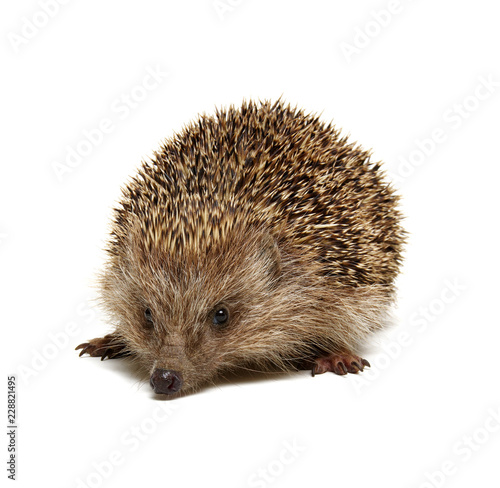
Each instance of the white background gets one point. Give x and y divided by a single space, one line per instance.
393 76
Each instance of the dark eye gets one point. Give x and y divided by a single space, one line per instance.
149 316
221 316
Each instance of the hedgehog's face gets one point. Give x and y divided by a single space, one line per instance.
189 321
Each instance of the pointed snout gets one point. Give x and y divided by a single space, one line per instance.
166 381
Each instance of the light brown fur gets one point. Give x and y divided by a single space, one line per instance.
264 210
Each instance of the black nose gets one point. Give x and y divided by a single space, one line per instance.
165 381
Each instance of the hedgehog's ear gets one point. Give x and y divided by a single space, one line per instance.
271 255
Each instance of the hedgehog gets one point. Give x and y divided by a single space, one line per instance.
257 238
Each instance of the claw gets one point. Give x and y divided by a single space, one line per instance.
355 365
366 363
341 367
107 352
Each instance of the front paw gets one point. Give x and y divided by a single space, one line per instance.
108 346
340 364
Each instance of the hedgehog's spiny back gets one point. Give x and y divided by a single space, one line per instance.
271 166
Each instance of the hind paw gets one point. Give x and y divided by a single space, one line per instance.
108 346
340 364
